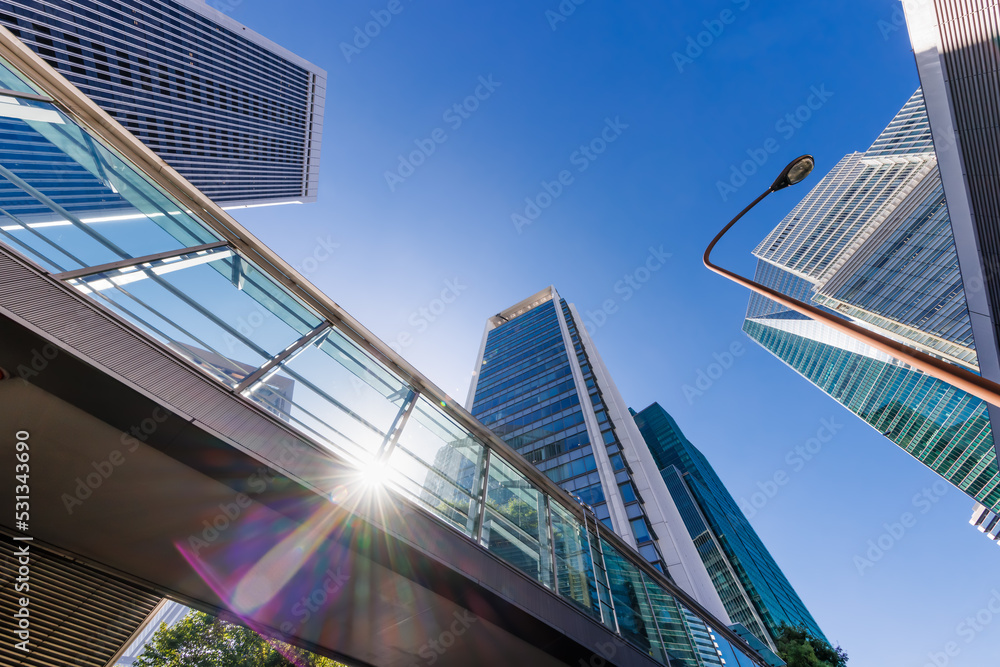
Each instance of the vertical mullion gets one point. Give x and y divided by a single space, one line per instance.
284 356
652 613
593 566
607 579
552 542
485 489
402 416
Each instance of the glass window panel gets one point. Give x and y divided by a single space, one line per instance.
704 641
591 495
601 576
193 304
12 81
640 530
628 492
68 202
673 629
440 464
648 551
632 608
515 526
341 395
574 568
275 299
730 653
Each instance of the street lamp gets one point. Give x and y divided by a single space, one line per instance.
959 377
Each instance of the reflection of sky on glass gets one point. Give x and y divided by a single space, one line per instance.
81 205
342 396
732 656
201 308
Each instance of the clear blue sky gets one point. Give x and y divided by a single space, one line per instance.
654 185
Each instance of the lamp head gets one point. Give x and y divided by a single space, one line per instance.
795 172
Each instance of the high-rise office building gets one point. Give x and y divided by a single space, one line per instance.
873 242
541 386
237 115
753 588
957 50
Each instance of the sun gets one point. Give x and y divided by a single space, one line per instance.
374 475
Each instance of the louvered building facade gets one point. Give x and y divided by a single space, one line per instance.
236 114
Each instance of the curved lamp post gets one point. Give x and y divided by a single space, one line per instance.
959 377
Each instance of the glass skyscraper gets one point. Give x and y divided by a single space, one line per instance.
540 385
236 114
753 588
872 242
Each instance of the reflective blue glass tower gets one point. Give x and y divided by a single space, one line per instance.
753 588
541 386
873 242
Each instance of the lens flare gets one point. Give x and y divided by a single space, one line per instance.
374 475
270 574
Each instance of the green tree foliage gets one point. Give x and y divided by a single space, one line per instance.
523 515
800 649
200 640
